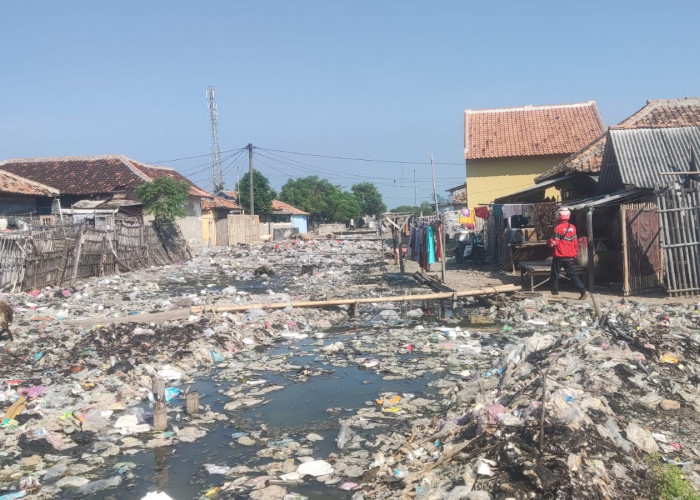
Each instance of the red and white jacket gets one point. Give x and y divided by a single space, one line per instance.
564 240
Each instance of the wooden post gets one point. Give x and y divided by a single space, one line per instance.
192 403
160 418
402 264
355 309
625 262
64 261
591 250
78 252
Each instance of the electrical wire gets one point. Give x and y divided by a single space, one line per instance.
196 156
356 159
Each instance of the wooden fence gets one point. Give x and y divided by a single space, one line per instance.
61 254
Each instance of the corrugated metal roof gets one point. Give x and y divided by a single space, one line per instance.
542 186
636 157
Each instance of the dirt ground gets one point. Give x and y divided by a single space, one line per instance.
469 276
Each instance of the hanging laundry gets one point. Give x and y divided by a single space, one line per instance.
510 210
497 210
467 218
430 244
482 212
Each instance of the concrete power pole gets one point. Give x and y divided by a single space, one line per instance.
250 177
215 176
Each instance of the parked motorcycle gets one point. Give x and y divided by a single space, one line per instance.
469 247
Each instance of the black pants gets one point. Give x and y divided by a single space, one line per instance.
568 264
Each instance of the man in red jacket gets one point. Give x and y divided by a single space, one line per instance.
565 245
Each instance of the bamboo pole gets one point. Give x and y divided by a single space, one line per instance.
689 223
625 262
669 264
339 302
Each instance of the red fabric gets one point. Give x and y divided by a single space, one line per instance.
482 212
438 244
564 240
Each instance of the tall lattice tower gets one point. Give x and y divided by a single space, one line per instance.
215 176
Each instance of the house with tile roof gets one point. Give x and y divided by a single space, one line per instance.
80 178
20 197
215 212
505 149
282 213
656 113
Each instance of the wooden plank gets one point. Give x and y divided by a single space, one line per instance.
337 302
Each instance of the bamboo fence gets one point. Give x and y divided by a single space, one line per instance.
53 255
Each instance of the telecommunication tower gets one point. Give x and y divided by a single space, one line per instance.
216 179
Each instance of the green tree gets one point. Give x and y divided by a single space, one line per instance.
425 208
324 201
164 198
262 193
345 206
311 194
370 199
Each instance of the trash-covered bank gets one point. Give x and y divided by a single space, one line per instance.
315 403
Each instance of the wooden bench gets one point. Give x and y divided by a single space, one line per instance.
531 269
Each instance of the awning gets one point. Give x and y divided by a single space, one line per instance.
609 199
541 187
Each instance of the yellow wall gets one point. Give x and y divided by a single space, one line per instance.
493 178
208 229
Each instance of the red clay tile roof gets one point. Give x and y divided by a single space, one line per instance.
284 208
530 130
14 184
657 113
88 175
219 202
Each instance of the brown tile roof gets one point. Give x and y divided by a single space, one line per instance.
657 113
662 113
284 208
219 202
14 184
77 175
153 172
530 130
89 175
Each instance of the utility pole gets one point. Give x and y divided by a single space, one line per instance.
415 190
441 231
215 176
250 177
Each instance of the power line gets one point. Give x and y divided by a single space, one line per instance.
357 159
310 168
193 157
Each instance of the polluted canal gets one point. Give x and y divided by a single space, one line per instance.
403 399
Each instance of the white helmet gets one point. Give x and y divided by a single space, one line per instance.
563 214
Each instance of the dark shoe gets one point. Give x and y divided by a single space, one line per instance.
584 295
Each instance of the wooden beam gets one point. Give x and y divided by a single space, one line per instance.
339 302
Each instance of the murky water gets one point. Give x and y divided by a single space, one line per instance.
314 405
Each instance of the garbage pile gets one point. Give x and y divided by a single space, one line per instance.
74 395
619 395
536 399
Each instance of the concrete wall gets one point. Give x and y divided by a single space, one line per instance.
300 222
331 228
493 178
191 228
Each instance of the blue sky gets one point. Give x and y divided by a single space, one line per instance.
372 79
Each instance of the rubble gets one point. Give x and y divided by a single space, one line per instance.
545 399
